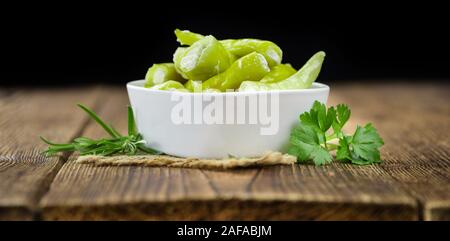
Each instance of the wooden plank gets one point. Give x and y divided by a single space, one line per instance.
25 174
354 192
297 192
126 192
334 192
414 121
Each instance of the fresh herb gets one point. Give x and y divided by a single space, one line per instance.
117 144
320 131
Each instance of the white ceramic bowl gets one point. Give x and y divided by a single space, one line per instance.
155 111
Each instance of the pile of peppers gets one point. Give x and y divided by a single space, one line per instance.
205 64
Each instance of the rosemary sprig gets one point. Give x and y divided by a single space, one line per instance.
131 144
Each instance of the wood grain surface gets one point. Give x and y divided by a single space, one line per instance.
25 174
413 182
415 125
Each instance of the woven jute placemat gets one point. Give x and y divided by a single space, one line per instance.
268 159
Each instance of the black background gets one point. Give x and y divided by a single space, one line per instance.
54 43
282 230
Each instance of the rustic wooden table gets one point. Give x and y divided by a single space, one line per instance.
413 183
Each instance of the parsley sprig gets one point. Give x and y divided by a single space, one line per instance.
320 132
117 144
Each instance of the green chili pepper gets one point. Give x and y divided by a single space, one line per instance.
193 85
197 86
211 90
160 73
179 53
251 67
170 85
278 73
301 80
186 37
241 47
202 60
238 47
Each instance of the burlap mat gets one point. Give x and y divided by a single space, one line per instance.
269 159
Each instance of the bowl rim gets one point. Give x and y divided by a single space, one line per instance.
139 85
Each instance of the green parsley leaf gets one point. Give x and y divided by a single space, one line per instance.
311 140
342 115
318 117
343 151
362 147
365 143
306 146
